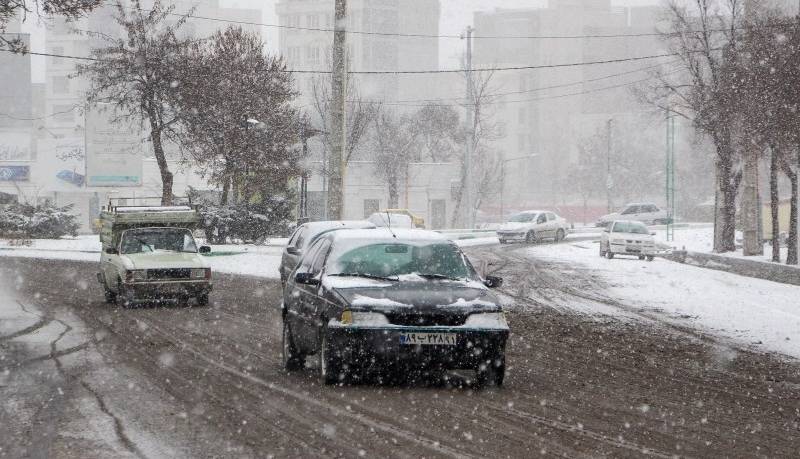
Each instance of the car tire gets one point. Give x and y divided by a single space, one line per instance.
202 299
328 367
503 241
602 252
292 360
650 258
609 254
125 297
110 296
491 373
641 257
530 237
560 235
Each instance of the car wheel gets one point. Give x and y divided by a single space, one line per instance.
641 257
124 295
560 235
491 373
502 241
530 238
650 258
292 360
609 254
202 299
110 296
602 252
328 368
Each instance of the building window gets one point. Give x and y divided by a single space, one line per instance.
57 50
312 55
60 85
293 54
312 20
293 20
521 114
521 142
64 113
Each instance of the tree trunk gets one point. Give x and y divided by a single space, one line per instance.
773 204
226 186
161 159
791 242
394 192
727 184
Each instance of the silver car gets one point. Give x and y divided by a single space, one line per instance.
306 234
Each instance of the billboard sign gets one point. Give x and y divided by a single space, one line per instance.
113 151
15 173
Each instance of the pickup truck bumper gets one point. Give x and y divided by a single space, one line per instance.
168 289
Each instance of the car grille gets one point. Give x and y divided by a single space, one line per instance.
427 320
630 241
174 273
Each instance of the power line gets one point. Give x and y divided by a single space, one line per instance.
421 72
6 115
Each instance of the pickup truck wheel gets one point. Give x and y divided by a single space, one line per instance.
602 252
202 299
650 258
609 254
491 373
110 296
292 360
124 295
560 235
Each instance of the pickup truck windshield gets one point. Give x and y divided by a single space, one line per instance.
158 239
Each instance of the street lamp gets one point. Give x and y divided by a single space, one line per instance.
503 178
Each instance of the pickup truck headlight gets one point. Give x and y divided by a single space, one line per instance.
487 320
136 275
363 318
201 273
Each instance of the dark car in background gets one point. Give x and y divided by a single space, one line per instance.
383 300
306 234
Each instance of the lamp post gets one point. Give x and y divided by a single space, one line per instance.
503 179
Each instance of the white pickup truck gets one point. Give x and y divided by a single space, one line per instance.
149 253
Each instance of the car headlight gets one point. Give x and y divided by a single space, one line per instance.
618 241
487 320
201 273
136 275
363 318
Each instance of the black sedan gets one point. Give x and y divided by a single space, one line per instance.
363 300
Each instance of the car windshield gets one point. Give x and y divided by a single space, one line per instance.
521 218
630 227
435 260
158 239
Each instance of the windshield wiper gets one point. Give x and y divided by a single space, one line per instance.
368 276
438 276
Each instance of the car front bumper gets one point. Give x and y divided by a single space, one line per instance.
511 236
169 289
632 249
379 346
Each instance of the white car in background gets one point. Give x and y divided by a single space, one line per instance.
645 212
390 220
533 226
626 237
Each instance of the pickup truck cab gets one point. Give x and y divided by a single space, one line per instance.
149 253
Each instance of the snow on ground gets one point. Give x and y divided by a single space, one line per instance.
750 311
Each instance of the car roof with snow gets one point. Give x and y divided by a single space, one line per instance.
400 235
330 224
533 211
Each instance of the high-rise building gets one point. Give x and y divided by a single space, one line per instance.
16 126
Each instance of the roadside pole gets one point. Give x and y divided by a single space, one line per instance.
609 183
336 169
467 193
670 175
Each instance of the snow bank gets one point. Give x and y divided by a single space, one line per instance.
750 311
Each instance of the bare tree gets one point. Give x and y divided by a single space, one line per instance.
439 131
482 132
68 9
395 145
136 74
706 40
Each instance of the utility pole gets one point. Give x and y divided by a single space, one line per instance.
752 244
609 183
467 195
336 169
669 185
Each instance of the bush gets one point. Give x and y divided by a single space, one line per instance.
44 221
245 223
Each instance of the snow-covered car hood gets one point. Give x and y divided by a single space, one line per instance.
422 296
513 226
609 217
163 260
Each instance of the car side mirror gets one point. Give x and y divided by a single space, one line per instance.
493 281
292 250
306 279
605 230
204 249
112 251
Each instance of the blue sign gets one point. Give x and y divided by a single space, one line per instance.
71 177
15 173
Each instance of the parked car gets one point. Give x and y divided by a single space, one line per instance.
384 219
384 300
627 237
149 253
306 234
418 221
533 226
645 212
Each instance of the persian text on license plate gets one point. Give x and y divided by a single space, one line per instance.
441 339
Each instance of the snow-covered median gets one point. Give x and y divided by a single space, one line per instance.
750 311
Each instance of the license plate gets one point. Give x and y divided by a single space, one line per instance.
440 339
